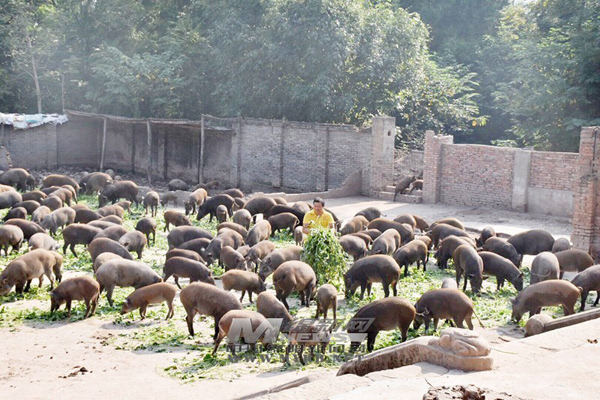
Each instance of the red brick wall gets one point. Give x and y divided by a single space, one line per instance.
552 170
476 175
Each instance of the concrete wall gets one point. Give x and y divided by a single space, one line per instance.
75 143
507 178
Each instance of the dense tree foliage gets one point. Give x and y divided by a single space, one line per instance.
483 70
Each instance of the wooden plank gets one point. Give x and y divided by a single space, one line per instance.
103 145
201 169
149 136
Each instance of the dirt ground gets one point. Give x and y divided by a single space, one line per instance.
94 358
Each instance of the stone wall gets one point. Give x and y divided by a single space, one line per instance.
507 178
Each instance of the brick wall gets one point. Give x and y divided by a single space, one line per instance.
250 153
300 156
553 170
476 175
508 178
586 217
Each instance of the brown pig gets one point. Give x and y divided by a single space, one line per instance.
10 236
413 251
269 306
222 213
467 261
206 299
256 320
377 268
124 273
81 288
326 298
231 259
104 245
33 265
387 314
75 234
439 304
294 276
258 252
277 257
147 226
544 294
43 241
244 281
175 218
151 200
180 267
134 242
151 294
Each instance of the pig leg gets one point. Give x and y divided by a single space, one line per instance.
584 295
371 340
143 311
324 313
190 321
250 295
386 289
176 281
109 292
216 335
243 294
568 309
318 310
68 306
94 304
363 287
334 313
435 324
469 322
465 284
28 285
395 288
300 351
307 293
171 311
153 236
597 298
87 308
73 249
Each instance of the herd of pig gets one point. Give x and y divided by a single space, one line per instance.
379 246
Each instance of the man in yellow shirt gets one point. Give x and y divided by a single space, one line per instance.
317 217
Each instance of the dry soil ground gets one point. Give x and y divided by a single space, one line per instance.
45 356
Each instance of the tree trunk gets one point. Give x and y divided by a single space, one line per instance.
36 81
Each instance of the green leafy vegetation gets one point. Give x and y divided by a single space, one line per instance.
323 252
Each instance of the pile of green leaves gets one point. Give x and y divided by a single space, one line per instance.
323 252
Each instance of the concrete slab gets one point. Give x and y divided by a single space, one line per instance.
510 222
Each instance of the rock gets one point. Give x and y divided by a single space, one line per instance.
535 324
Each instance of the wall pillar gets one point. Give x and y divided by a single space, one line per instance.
432 165
521 172
586 210
380 172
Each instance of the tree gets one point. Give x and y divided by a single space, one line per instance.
552 83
